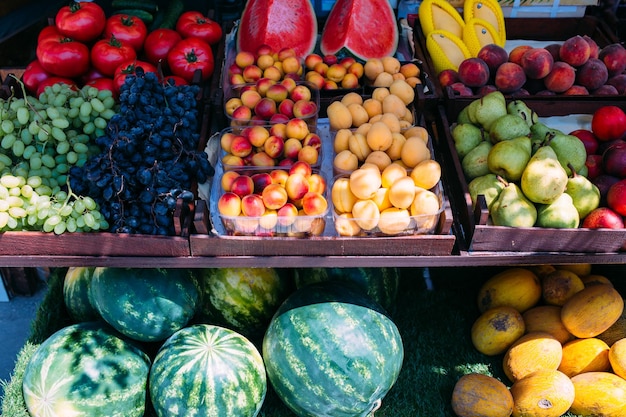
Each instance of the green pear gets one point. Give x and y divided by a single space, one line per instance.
508 127
560 214
475 162
521 109
569 151
471 111
466 137
584 193
489 186
540 133
489 108
544 179
509 158
512 208
463 116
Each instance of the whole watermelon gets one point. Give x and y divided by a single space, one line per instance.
207 370
379 283
76 294
145 304
242 299
331 351
86 370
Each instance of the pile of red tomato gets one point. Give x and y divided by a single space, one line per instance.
85 47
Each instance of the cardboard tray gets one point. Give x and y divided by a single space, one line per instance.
532 29
471 226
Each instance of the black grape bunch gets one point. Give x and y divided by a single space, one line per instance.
149 157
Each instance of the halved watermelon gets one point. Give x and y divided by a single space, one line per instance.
278 24
364 28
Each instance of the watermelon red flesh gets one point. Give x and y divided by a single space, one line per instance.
364 28
86 370
278 24
206 370
328 352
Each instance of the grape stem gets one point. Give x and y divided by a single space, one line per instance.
27 102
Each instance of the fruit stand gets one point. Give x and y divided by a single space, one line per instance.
441 257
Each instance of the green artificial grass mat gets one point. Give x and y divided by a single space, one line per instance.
434 318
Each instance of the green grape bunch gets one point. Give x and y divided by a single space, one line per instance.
41 138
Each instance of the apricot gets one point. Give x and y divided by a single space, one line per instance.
395 150
365 182
384 79
366 214
403 90
402 192
378 158
379 137
391 64
346 161
394 220
345 225
358 113
373 107
339 116
414 151
342 197
392 122
426 174
394 104
372 68
358 145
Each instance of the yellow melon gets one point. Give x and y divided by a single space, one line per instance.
580 269
544 393
616 332
595 279
559 285
530 353
592 311
599 394
477 395
617 358
546 318
515 287
584 355
497 329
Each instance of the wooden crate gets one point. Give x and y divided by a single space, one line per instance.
472 227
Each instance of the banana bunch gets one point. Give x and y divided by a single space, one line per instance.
451 38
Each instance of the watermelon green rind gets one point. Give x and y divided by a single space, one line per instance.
242 299
207 370
332 358
279 24
76 294
86 370
145 304
365 28
379 283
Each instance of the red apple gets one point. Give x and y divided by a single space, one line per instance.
587 137
616 197
608 123
594 166
603 218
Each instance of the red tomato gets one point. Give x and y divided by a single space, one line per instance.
47 32
63 56
103 83
189 55
55 80
33 75
108 54
91 74
175 80
82 21
194 23
126 28
158 44
129 68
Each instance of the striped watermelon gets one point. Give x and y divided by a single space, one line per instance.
379 283
76 294
86 370
145 304
330 351
207 370
242 299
